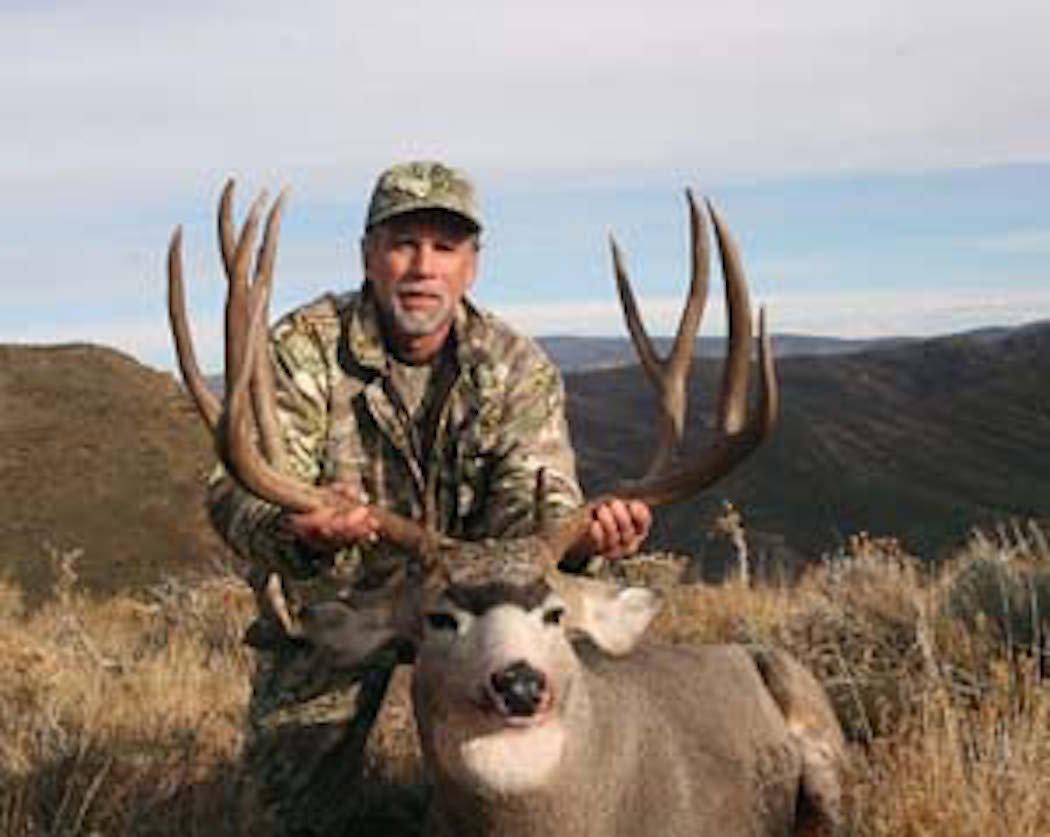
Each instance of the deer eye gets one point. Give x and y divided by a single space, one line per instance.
441 621
553 616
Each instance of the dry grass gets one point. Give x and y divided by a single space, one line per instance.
121 716
941 680
124 716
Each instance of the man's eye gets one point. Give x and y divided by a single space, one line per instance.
554 616
442 621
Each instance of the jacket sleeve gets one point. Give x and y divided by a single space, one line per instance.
532 433
253 526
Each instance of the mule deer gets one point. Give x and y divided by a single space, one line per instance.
539 710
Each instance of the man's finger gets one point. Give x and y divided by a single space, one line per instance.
610 529
597 534
643 517
624 520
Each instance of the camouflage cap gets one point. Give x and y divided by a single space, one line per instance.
422 184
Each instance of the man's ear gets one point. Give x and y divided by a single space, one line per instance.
476 258
366 247
615 618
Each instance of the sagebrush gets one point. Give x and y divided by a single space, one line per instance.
125 716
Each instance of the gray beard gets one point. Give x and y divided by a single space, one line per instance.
420 323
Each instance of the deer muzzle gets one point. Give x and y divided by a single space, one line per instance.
520 692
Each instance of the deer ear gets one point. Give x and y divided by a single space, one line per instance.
349 635
615 618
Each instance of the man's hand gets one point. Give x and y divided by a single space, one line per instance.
332 527
617 529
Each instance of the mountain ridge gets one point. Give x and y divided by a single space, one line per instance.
921 440
576 354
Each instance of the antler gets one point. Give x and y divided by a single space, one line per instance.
668 375
250 403
737 435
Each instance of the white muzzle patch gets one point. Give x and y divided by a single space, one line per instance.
514 760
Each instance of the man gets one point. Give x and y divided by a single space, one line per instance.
404 395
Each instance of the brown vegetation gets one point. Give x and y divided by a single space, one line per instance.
125 716
101 454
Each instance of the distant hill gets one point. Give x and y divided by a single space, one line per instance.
98 453
581 354
922 440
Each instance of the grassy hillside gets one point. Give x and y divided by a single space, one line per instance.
922 441
100 454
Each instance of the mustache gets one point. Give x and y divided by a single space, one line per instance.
422 288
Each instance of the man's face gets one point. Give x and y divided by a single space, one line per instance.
420 266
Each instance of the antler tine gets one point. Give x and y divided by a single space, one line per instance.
769 393
207 403
227 236
263 389
732 398
274 600
235 443
669 375
678 362
670 421
689 323
237 280
650 361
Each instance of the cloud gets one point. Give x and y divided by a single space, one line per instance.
916 312
141 100
122 118
857 314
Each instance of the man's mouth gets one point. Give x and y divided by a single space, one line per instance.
416 299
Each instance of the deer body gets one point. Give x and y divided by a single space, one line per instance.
666 741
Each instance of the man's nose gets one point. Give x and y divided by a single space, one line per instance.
423 259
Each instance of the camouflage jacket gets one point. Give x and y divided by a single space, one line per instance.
496 417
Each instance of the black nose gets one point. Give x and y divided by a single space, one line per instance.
521 688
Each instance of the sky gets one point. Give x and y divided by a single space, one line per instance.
884 164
